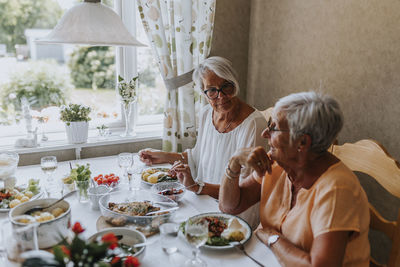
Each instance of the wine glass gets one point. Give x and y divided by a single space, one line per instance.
49 165
125 160
196 233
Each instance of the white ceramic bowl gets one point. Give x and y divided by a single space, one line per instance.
50 233
95 193
159 187
129 237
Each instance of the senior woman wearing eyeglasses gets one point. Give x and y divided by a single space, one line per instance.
313 210
225 125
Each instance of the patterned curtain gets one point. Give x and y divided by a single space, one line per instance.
180 33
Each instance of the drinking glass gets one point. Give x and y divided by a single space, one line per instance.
134 173
196 233
49 165
169 232
125 160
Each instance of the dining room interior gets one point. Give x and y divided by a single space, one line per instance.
345 48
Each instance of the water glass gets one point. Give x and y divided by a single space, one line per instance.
196 233
16 240
49 165
125 160
95 193
169 232
82 187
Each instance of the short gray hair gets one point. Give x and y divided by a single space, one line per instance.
221 67
314 114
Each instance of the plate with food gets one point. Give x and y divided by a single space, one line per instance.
155 175
10 198
139 207
223 229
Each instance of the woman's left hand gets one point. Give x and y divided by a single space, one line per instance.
183 174
263 233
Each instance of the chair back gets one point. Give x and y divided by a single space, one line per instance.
370 157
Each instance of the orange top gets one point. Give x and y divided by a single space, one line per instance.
335 202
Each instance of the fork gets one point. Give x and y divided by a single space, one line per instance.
240 246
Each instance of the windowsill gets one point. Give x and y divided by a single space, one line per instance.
58 141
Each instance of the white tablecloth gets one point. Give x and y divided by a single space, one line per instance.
190 205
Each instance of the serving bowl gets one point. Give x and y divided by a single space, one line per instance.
51 232
164 188
125 196
129 237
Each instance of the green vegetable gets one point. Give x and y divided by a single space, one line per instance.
217 241
33 186
81 173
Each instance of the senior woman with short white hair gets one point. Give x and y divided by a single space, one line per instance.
313 210
225 125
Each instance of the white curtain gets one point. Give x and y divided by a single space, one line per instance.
180 33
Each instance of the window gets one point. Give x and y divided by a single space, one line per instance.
46 76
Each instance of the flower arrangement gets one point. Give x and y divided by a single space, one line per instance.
79 252
75 112
127 90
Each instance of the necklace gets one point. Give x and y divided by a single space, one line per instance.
231 120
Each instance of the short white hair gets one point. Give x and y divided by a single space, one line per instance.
222 67
314 114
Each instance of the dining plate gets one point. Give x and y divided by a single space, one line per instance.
226 218
153 170
38 195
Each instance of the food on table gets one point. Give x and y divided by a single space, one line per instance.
157 175
107 179
117 221
10 198
135 208
170 192
43 216
68 180
222 231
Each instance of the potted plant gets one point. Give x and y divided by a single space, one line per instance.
76 118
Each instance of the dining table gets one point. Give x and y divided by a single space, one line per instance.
190 205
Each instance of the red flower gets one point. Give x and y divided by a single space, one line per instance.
77 228
115 260
65 250
110 238
131 261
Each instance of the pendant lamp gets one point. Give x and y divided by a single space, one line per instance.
91 23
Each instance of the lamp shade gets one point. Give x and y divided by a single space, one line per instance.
91 23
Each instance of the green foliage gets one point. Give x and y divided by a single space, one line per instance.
18 15
42 83
75 112
81 173
93 67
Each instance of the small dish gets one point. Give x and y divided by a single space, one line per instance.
172 190
95 193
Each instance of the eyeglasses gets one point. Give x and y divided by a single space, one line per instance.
213 93
271 127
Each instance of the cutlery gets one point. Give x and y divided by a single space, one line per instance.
171 204
161 211
239 246
32 210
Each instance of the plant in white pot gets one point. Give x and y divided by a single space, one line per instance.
76 118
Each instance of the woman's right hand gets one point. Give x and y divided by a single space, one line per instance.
254 157
152 156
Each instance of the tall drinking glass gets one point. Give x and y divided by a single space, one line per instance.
125 160
196 233
134 173
49 165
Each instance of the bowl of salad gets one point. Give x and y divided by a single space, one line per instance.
10 198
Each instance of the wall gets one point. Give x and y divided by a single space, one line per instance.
349 49
231 36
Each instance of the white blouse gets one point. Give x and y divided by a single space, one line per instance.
208 159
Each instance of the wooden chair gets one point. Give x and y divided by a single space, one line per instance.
369 157
267 113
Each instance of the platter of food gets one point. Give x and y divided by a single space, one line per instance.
156 175
138 207
223 229
10 198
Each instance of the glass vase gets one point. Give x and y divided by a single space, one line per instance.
129 115
82 187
